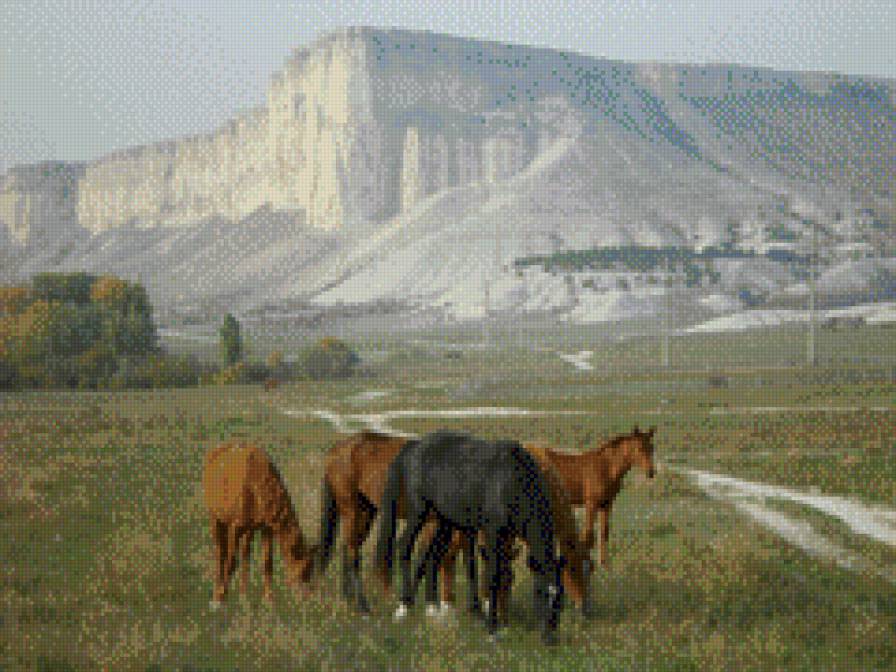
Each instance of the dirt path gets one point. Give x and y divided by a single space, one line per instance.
749 498
379 422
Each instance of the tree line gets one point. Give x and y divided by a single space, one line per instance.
79 330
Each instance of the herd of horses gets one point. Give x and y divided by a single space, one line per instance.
458 494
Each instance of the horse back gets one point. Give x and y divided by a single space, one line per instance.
241 485
359 463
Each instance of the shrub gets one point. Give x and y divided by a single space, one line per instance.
9 376
231 342
231 375
154 370
328 358
64 287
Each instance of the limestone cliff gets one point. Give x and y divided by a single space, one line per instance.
387 165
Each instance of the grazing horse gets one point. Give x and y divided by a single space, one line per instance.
593 479
578 565
244 493
354 478
471 484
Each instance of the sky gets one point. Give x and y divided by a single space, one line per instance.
82 78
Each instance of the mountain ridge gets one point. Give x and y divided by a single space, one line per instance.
364 125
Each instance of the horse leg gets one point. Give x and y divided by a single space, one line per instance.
267 543
246 542
469 548
233 536
446 572
361 524
348 524
503 606
494 571
219 536
415 521
604 534
436 552
588 529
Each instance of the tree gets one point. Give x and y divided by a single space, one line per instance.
328 358
231 341
64 287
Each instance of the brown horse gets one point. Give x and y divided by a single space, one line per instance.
593 479
354 479
575 572
244 493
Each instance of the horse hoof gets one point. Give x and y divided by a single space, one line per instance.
447 608
495 637
485 606
400 613
214 605
432 611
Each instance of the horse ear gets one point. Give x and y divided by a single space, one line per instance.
651 432
635 430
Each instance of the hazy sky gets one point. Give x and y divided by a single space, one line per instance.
79 79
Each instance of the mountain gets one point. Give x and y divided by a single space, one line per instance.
412 169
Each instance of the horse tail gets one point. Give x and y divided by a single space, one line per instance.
388 519
329 521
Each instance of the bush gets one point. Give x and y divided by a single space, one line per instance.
231 341
9 376
328 358
155 370
63 287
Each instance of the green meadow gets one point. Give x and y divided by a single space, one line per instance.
107 555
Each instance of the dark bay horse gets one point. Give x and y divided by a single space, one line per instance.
354 477
471 485
593 478
578 564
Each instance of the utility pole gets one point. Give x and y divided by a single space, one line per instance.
810 343
666 321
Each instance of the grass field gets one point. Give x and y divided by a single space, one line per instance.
106 552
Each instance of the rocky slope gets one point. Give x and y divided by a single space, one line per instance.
385 163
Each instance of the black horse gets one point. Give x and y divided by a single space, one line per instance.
471 484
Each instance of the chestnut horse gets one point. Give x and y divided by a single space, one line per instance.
244 493
593 479
578 565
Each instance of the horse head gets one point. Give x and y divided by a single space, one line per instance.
644 450
548 594
299 558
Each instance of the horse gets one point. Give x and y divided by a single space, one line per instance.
354 477
593 479
471 484
578 564
244 493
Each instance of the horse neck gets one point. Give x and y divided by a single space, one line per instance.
288 531
619 461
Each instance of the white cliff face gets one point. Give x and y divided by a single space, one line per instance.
383 163
38 202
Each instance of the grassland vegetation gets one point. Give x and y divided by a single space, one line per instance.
110 559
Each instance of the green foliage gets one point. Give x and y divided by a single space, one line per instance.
231 341
9 375
64 287
328 358
72 329
241 373
637 258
